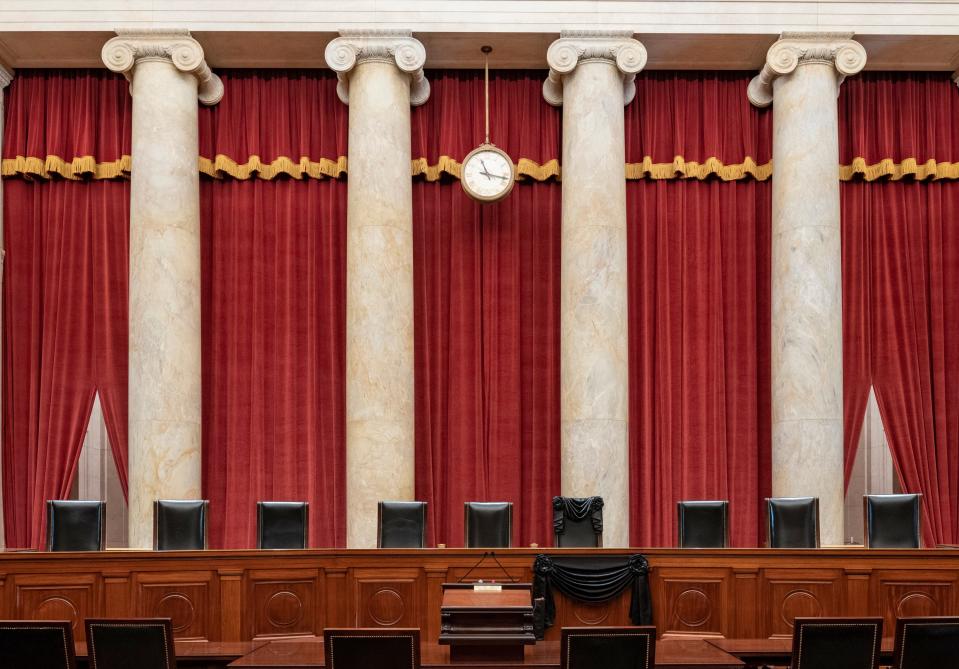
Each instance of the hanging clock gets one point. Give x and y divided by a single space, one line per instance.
488 172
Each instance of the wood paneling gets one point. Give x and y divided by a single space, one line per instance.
245 595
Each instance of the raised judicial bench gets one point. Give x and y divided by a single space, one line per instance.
263 595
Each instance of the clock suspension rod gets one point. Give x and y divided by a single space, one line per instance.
486 52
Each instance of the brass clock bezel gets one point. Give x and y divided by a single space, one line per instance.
486 199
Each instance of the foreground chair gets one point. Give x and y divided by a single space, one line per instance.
363 648
792 522
282 525
892 521
831 643
401 525
924 643
578 522
489 524
179 525
76 525
140 643
36 644
608 647
703 524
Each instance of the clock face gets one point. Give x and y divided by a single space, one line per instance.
487 174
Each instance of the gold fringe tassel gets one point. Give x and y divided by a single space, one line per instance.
222 166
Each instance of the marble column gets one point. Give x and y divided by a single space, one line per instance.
167 73
6 76
591 75
380 76
803 72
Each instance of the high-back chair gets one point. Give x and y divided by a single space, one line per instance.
282 525
892 521
703 524
831 643
76 525
401 525
179 524
926 643
608 647
36 644
489 524
792 522
578 522
380 647
122 643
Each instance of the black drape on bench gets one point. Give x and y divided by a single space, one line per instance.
593 579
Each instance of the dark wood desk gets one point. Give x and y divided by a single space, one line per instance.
670 653
778 651
241 595
197 654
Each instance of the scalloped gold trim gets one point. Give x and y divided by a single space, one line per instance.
680 168
305 167
909 167
77 168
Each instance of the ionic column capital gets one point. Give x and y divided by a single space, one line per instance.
6 76
397 47
134 45
800 48
617 47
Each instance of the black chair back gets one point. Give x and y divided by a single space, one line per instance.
76 525
703 524
923 643
578 522
489 524
179 524
138 643
401 525
379 647
892 521
831 643
608 647
36 644
792 522
282 524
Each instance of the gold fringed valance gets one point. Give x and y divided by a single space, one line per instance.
79 167
222 166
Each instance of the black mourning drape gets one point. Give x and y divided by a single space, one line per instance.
577 508
594 580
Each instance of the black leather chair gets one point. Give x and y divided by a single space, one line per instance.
363 648
282 525
892 521
924 643
792 522
401 525
830 643
36 644
140 643
578 522
489 524
179 524
608 647
76 525
703 524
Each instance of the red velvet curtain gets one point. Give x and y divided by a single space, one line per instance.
486 282
64 289
699 282
274 318
901 285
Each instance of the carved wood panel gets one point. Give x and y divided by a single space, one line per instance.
283 603
570 613
903 594
693 604
187 598
791 593
72 598
387 598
